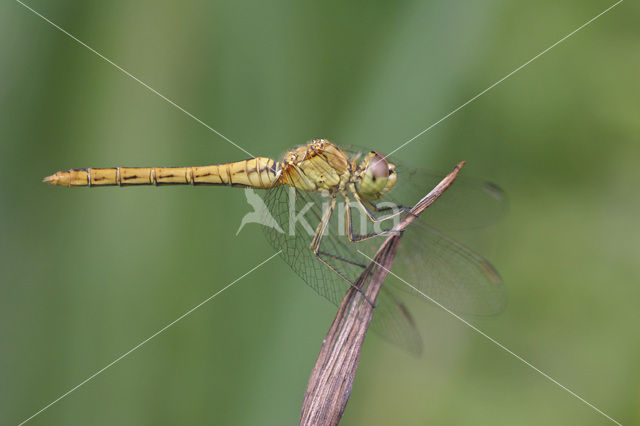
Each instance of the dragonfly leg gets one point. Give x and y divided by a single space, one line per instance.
315 247
370 214
403 209
387 208
350 262
322 225
354 238
341 275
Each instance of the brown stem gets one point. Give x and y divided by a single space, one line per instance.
332 377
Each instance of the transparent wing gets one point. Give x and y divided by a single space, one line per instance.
434 263
391 319
447 271
298 214
469 204
393 322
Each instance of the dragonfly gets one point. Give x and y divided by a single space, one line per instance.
327 207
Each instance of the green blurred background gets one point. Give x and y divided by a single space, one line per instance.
88 274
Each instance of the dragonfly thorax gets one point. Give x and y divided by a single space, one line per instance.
321 166
317 166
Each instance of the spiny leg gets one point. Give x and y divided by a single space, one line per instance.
368 212
384 209
354 238
317 239
342 259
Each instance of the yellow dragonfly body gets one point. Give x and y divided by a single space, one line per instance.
318 166
318 175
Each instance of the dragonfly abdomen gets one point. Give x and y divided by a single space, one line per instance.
259 172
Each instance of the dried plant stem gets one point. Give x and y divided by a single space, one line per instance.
332 377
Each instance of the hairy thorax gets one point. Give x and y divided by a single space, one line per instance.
317 166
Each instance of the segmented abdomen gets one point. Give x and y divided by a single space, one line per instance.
259 172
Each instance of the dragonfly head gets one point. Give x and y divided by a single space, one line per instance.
377 176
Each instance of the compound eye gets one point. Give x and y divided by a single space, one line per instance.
378 167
